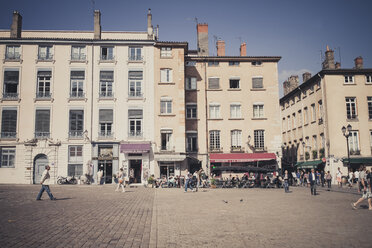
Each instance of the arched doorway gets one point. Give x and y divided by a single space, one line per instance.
40 161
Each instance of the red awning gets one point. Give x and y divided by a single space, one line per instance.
135 148
240 157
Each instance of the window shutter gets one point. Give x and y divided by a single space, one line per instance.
213 83
44 73
105 115
77 74
9 121
42 121
107 76
135 75
135 113
163 75
257 83
11 77
170 75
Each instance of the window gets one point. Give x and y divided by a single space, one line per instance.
75 160
105 123
165 106
318 85
289 122
369 101
256 63
42 123
191 83
234 83
322 141
213 83
299 118
294 120
135 84
135 53
166 76
107 53
76 124
313 113
45 53
234 63
304 94
77 84
315 143
283 123
166 140
257 82
11 81
236 139
306 116
214 111
13 52
235 110
191 142
214 140
320 104
213 63
78 53
135 117
258 110
351 107
349 79
259 139
354 143
370 139
191 111
190 63
368 79
9 123
43 84
7 157
106 84
166 52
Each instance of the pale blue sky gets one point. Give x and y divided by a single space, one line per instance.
294 29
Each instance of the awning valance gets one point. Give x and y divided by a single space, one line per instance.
135 148
240 169
309 164
358 160
169 157
241 157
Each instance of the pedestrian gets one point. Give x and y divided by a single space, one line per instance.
99 177
351 178
329 179
45 185
317 178
322 179
339 177
298 178
121 180
367 195
131 176
312 180
286 181
188 178
356 176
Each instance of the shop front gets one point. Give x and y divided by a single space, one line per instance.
169 165
105 159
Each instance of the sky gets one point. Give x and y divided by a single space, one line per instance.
296 30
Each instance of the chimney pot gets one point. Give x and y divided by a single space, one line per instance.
243 49
329 61
220 48
16 27
306 76
358 62
150 28
202 32
337 65
97 25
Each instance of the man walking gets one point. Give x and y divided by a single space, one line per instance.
313 179
45 185
367 195
286 181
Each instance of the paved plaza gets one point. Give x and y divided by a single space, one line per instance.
97 216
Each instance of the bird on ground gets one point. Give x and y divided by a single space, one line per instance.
241 200
225 201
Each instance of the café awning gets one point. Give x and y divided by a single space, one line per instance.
358 160
309 164
241 157
135 148
169 157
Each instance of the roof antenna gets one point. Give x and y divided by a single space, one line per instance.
196 20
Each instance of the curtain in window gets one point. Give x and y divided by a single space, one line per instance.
257 82
9 121
213 83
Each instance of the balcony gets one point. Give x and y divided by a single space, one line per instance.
42 135
215 149
106 95
105 135
236 149
43 95
12 57
77 95
260 149
75 134
135 134
167 148
45 57
135 94
8 135
107 58
354 152
135 58
78 57
10 96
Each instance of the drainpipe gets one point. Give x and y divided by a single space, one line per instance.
206 113
303 120
325 117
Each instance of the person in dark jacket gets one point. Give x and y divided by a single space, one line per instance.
313 179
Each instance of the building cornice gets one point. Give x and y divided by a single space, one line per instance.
234 58
24 41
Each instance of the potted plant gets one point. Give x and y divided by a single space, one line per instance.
213 183
321 152
315 154
307 155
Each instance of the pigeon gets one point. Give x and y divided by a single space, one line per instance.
225 201
241 200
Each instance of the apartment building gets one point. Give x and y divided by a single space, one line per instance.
232 111
327 114
72 99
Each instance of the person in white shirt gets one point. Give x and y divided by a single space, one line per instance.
45 185
121 180
351 177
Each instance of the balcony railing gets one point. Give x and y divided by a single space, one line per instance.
8 135
12 96
135 94
10 56
237 149
75 134
106 94
43 95
215 149
260 149
350 117
191 149
135 134
167 148
107 57
105 135
78 57
45 57
42 135
77 94
135 58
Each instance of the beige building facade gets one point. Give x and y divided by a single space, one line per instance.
314 113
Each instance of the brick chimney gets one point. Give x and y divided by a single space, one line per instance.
202 29
337 65
306 76
220 48
358 62
243 49
97 25
329 61
150 29
16 27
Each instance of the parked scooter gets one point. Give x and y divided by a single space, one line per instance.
66 180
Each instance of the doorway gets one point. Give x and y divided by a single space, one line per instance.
106 167
135 171
166 170
40 161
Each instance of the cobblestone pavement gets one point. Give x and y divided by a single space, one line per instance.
96 216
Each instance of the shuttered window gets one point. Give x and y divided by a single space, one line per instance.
8 123
76 121
105 115
213 83
107 76
135 75
135 113
77 74
257 83
166 76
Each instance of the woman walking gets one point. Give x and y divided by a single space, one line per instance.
121 180
329 179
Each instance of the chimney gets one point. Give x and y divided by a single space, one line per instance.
329 61
97 25
16 27
337 65
202 29
243 49
290 84
306 76
150 29
285 87
358 62
220 48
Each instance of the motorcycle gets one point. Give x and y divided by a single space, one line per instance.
66 180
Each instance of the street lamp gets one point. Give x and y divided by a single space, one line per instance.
347 134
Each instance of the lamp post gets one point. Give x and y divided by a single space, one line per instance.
347 134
